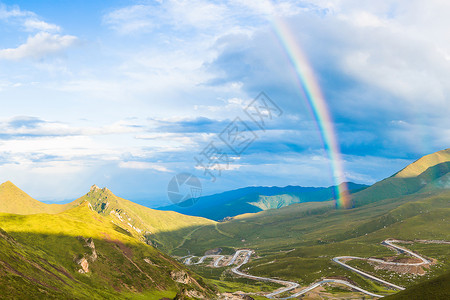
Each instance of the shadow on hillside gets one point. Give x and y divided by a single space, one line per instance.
74 267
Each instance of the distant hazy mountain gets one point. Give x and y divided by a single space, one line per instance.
255 199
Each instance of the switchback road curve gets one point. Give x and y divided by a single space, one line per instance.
290 285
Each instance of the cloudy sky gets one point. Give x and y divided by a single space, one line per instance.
126 94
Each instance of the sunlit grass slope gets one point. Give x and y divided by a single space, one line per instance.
41 254
163 229
425 174
15 201
423 163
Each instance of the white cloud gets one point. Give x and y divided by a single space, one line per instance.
130 19
28 20
143 166
221 167
396 48
15 12
34 24
365 19
202 15
39 46
400 51
143 18
23 126
168 138
269 8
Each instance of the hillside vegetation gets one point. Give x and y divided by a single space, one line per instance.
423 163
15 201
434 289
81 254
163 229
426 174
298 242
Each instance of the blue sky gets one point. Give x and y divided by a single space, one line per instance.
125 94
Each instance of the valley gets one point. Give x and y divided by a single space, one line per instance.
293 287
317 233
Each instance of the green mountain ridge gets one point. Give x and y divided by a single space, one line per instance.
15 201
427 174
83 255
160 228
423 163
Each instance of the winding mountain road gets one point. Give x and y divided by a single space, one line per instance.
290 285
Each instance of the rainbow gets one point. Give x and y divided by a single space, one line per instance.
314 96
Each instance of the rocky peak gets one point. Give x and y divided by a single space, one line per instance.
94 188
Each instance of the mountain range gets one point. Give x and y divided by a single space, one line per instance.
147 224
255 199
103 246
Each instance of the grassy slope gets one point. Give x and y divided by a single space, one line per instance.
164 229
434 289
423 163
15 201
37 245
25 273
298 224
420 175
299 241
